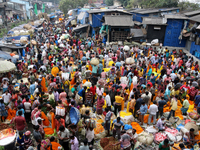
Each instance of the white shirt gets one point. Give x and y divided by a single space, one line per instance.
64 134
108 102
153 109
69 52
27 106
173 76
6 97
90 135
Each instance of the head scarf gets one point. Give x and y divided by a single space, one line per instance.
33 113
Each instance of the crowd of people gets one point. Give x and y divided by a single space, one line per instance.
39 107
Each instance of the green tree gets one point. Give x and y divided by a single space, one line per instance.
66 5
109 2
159 3
188 6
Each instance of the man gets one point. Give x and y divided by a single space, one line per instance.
185 107
82 93
118 102
112 94
189 138
85 146
27 108
108 101
125 141
161 104
160 124
138 104
37 136
89 98
6 97
20 122
153 109
117 127
63 135
107 120
165 145
146 98
59 122
74 142
174 106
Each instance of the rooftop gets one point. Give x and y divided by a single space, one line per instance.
192 13
149 11
195 18
107 10
154 20
175 16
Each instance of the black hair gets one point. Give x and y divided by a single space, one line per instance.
20 113
61 128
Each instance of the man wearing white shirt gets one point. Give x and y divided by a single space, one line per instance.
153 109
108 101
6 97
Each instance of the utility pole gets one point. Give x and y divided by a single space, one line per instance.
5 18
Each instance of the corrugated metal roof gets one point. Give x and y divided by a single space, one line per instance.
137 33
175 16
154 20
149 11
124 20
107 10
192 13
80 27
195 18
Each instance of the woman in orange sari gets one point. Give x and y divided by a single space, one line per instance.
54 144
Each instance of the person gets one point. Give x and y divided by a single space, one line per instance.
132 104
27 140
160 124
27 107
63 135
100 103
37 136
182 147
85 146
89 97
4 85
41 128
118 103
55 145
3 111
165 145
125 141
90 134
189 138
6 97
107 120
142 111
161 104
174 104
74 142
108 101
118 124
20 122
153 109
20 141
185 107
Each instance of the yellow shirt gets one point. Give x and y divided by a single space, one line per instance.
118 99
140 73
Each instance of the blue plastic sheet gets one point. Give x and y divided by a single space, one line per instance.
179 127
6 56
74 115
127 127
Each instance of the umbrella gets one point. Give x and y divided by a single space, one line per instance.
126 48
6 66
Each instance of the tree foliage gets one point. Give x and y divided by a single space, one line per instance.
159 3
188 6
109 2
66 5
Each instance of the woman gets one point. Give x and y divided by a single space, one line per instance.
23 88
100 103
3 111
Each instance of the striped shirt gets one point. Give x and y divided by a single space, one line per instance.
89 96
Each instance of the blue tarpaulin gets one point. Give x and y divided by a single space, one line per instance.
6 56
18 37
69 20
52 16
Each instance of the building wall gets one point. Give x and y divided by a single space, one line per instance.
172 33
27 6
153 33
138 17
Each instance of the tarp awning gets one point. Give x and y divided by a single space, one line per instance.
81 16
69 20
18 37
6 56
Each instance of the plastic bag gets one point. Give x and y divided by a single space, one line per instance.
94 61
129 61
23 40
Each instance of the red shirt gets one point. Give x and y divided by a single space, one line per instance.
20 122
93 89
57 123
